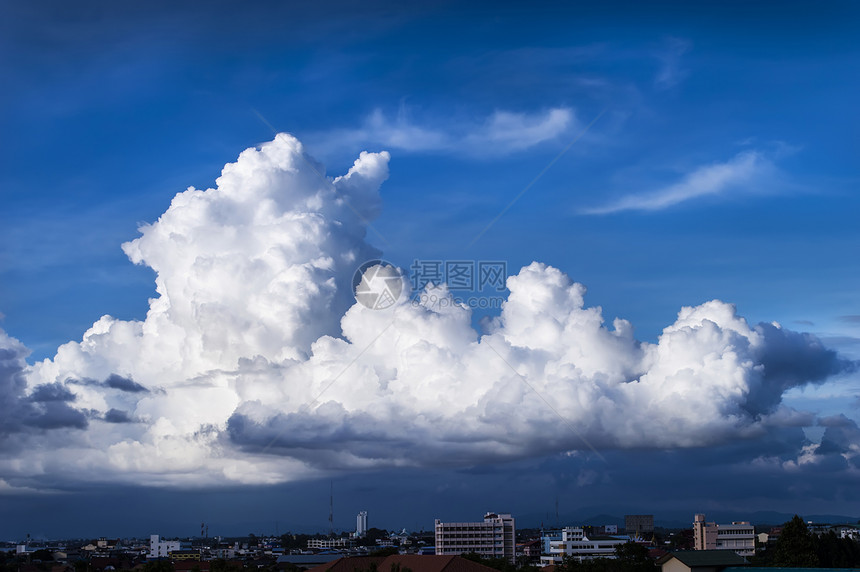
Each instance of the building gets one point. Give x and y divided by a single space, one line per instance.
637 524
547 537
328 543
531 549
700 561
495 537
576 544
738 537
180 555
361 524
162 548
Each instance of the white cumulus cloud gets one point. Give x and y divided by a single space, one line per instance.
255 365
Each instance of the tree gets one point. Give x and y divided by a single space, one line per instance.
633 557
835 552
796 546
43 554
158 566
221 565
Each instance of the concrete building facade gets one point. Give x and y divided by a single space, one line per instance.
638 524
576 544
361 524
495 537
162 548
738 537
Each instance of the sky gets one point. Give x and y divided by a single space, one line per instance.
605 256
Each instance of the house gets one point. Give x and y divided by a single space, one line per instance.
531 549
700 561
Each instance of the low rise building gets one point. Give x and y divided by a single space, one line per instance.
738 537
547 537
162 548
576 544
328 543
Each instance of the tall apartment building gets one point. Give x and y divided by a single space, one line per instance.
737 536
495 537
638 524
361 524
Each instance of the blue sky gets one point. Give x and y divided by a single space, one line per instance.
662 156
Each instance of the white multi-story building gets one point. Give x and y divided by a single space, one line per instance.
576 544
495 537
327 543
162 548
361 524
737 536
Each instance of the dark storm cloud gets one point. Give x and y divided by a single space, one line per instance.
768 471
51 392
46 407
115 381
841 438
12 385
791 359
118 416
55 415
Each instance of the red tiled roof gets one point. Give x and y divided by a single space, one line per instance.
350 564
414 562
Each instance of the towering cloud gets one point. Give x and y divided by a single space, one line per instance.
255 364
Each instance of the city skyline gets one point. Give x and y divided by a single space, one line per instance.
644 219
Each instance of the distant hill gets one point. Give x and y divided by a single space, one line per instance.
598 516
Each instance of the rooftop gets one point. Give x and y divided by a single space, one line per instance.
706 558
415 562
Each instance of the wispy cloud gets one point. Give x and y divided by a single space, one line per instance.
501 133
671 72
736 174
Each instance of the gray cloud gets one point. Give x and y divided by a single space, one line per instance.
790 359
115 381
118 416
55 415
51 392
